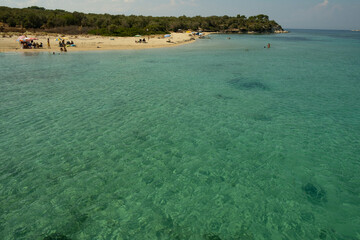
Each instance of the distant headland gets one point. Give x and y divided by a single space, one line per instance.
60 21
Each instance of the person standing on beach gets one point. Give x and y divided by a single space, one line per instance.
48 42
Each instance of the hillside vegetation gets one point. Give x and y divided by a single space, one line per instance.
41 19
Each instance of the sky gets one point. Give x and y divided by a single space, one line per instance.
305 14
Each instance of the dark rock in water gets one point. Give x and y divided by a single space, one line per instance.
81 218
314 193
217 65
244 234
211 236
168 222
174 234
140 136
20 232
254 85
148 179
220 96
240 84
235 82
261 117
330 234
323 234
56 236
307 217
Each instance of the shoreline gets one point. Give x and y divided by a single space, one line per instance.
95 43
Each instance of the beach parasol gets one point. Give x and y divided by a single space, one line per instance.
21 38
138 35
28 39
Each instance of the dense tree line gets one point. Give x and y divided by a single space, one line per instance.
121 25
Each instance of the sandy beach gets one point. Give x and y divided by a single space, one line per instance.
8 43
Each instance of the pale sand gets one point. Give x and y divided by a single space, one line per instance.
92 42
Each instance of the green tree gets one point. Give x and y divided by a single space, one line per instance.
121 25
11 21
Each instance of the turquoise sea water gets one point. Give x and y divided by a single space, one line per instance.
219 139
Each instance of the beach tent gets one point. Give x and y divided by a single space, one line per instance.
137 35
58 39
167 35
188 31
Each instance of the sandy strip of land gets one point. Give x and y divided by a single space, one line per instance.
8 43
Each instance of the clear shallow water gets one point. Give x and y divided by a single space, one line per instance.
220 139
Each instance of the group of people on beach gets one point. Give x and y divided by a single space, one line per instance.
35 45
63 44
141 41
31 44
